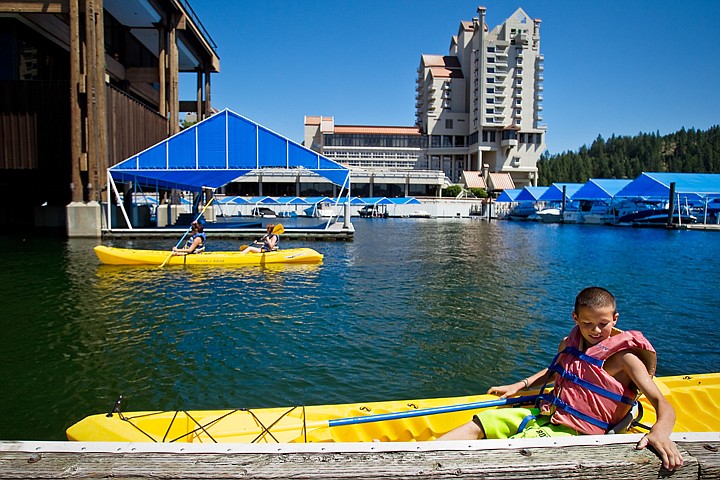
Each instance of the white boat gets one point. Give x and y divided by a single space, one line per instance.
322 209
550 215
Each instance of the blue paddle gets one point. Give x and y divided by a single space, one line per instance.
430 411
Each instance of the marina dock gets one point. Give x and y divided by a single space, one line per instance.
585 457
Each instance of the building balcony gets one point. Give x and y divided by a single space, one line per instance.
518 73
539 76
539 97
539 67
539 88
510 142
538 107
541 57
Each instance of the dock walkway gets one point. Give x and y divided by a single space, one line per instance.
588 457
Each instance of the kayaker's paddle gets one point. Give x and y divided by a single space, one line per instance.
277 230
187 231
380 417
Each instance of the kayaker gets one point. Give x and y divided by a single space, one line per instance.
266 243
600 371
196 242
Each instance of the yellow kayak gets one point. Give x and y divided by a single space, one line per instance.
694 397
127 256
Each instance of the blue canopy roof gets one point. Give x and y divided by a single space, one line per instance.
531 194
508 196
657 185
601 188
555 191
218 150
232 200
292 201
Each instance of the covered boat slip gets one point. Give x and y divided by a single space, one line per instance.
694 397
213 153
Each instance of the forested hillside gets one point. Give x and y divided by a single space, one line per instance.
686 151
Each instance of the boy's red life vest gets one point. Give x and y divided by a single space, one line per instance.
585 396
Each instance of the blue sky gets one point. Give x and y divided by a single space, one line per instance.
619 67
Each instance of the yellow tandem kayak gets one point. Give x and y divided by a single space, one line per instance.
127 256
694 397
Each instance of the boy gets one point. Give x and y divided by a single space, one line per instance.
601 369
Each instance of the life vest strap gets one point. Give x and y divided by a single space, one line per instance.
576 413
591 386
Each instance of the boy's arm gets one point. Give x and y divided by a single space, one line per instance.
536 379
659 436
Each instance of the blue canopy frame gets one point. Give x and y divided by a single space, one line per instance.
216 151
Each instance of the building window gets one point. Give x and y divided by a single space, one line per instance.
489 120
491 59
490 90
490 49
517 121
489 100
490 80
490 111
518 101
490 69
448 123
518 111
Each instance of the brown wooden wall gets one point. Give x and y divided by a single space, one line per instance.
132 127
34 132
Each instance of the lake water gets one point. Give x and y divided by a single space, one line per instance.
411 308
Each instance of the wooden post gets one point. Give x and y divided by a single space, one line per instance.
162 70
102 119
199 97
671 205
76 187
208 106
173 67
92 120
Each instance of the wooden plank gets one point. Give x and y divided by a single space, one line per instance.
32 6
708 456
612 461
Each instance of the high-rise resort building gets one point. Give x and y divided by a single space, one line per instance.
383 159
480 106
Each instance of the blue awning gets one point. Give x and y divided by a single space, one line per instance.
508 196
217 151
531 194
554 192
600 189
653 185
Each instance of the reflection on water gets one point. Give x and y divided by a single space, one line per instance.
411 308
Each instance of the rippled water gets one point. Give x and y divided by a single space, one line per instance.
409 309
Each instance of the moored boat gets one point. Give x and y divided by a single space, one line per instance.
127 256
694 397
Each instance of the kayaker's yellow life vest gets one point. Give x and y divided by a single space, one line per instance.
585 396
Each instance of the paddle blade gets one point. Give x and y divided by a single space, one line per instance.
279 229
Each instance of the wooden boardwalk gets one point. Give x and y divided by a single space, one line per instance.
590 457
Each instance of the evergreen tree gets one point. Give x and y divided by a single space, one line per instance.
685 151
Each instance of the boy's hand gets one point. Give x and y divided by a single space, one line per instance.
665 448
506 391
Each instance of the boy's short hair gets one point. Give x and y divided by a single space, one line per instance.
595 298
